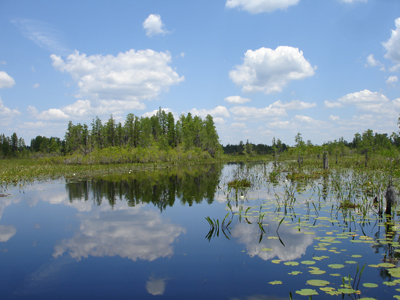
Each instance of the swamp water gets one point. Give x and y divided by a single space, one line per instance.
185 234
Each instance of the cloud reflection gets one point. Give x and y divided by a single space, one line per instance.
156 286
295 243
7 232
131 232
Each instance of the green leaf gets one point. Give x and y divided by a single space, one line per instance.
275 282
317 282
307 292
370 285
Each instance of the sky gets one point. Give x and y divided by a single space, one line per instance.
261 68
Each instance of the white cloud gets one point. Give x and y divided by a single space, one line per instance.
329 104
303 119
392 80
353 1
269 71
393 46
36 85
363 97
3 62
42 34
149 114
252 113
6 81
130 76
374 63
153 25
219 111
280 124
239 125
6 114
236 100
259 6
293 105
334 118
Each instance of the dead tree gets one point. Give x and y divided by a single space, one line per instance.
390 198
325 161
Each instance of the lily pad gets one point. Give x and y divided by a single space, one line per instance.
347 291
295 273
336 266
370 285
308 262
276 261
266 249
275 282
386 265
307 292
291 263
317 282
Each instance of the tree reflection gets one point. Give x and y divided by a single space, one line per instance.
190 185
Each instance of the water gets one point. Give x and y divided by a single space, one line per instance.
141 236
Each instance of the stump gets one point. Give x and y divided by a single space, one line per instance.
390 198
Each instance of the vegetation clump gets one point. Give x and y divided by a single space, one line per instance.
239 183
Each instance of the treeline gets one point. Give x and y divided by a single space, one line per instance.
366 142
159 131
253 149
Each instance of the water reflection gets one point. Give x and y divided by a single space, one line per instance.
260 297
125 232
156 286
7 232
160 187
295 244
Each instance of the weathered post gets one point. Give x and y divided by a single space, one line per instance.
390 198
325 160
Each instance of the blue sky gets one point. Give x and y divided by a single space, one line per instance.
261 68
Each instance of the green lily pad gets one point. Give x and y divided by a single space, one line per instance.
307 292
389 283
350 262
335 274
386 265
317 272
291 263
317 282
295 273
347 291
370 285
336 266
275 282
308 262
266 249
276 261
356 255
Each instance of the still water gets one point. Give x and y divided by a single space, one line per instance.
145 236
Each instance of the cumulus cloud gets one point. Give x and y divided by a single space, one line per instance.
269 71
363 97
130 76
280 124
6 81
334 118
329 104
153 25
251 113
219 111
236 100
371 62
293 105
154 112
392 80
259 6
393 46
7 114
